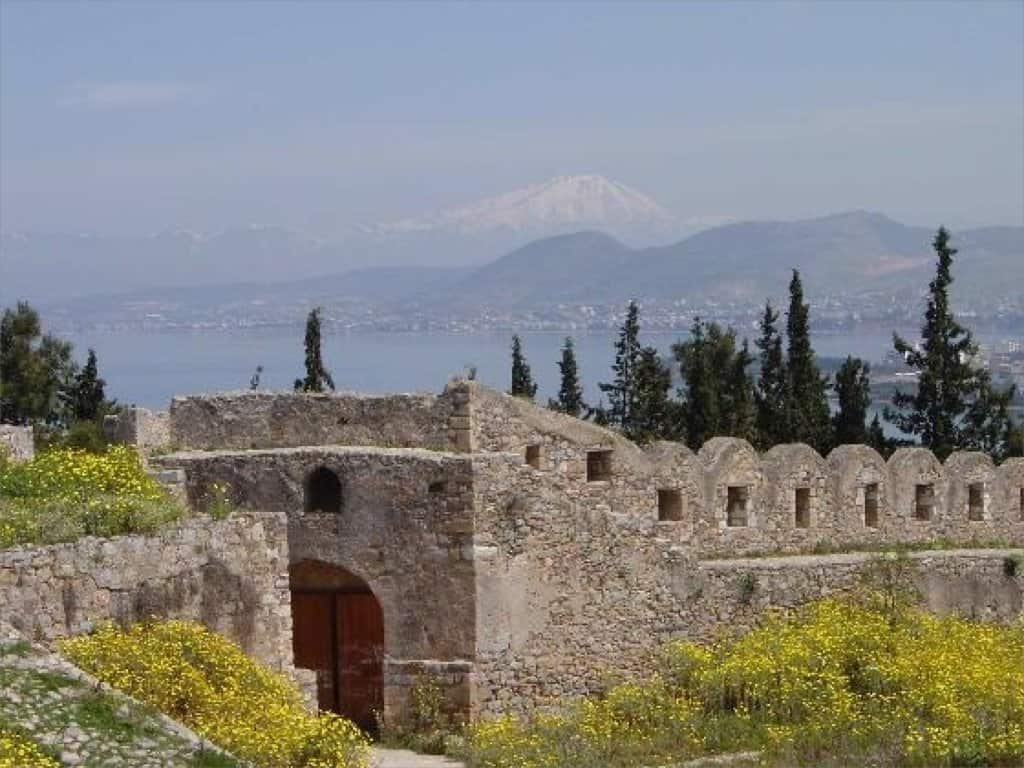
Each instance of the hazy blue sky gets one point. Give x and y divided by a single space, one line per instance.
133 117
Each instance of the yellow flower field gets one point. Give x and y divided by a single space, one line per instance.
839 684
208 683
16 751
63 494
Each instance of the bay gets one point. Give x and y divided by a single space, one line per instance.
148 368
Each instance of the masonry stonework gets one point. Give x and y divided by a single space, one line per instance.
517 556
17 442
140 427
520 556
232 575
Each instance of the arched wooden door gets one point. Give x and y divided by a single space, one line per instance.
338 631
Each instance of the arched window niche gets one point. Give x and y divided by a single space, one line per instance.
322 492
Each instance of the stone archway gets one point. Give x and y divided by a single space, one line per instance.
338 631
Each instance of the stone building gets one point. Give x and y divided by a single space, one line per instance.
517 556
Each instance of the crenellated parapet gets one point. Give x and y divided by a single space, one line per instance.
726 499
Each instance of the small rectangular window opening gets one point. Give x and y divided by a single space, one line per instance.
871 505
437 486
738 497
533 456
976 501
670 505
599 466
802 508
924 501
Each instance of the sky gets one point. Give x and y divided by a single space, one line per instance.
130 118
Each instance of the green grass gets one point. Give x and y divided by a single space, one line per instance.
207 759
18 649
118 721
827 548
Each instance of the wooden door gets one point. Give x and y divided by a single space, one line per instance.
314 643
360 632
340 635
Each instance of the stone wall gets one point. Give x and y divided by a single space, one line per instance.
244 420
231 575
138 426
569 594
18 442
403 526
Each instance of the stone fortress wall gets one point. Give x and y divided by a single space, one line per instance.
403 525
520 555
252 420
725 500
232 575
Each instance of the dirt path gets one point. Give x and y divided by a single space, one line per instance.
401 758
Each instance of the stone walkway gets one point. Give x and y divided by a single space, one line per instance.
401 758
57 706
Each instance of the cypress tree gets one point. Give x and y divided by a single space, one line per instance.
987 425
699 409
88 400
570 393
876 438
853 388
653 407
807 411
718 397
739 409
318 378
622 390
770 396
955 405
522 380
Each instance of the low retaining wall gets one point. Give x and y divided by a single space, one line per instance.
231 575
974 583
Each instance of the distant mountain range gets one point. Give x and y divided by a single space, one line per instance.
846 255
448 259
44 266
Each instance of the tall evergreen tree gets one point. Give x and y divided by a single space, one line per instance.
570 393
876 438
318 378
807 389
35 368
955 405
718 397
853 388
699 409
987 424
622 390
1013 446
770 397
740 407
652 414
88 401
522 379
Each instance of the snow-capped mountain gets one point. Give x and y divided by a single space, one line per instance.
560 204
